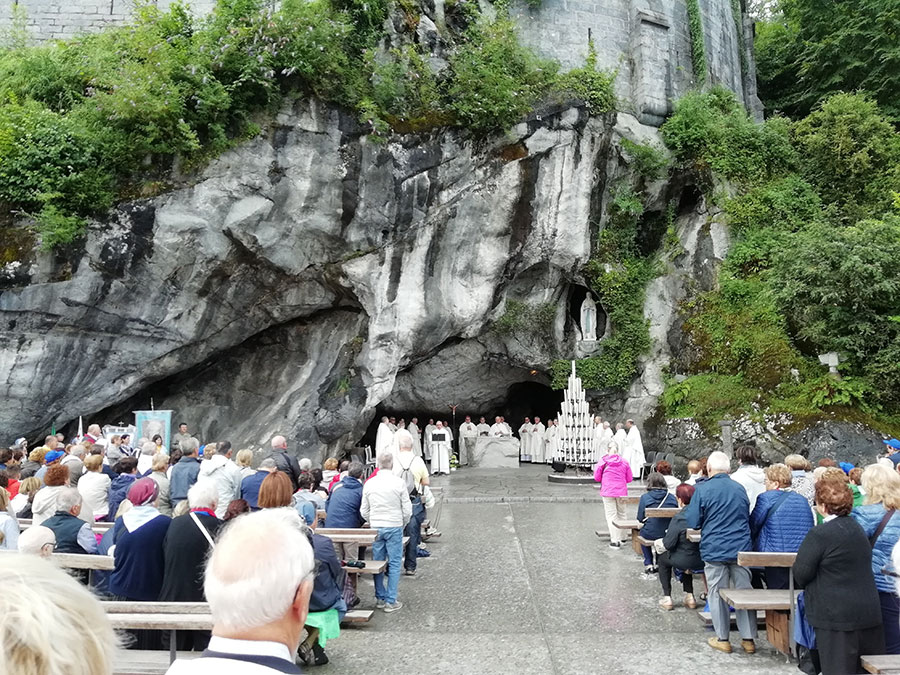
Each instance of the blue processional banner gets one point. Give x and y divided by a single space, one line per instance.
152 422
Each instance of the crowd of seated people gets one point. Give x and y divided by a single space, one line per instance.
167 510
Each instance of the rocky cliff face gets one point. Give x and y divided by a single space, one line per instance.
302 276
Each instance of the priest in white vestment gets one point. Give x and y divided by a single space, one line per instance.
597 438
606 438
483 428
384 437
428 429
413 430
499 427
468 432
619 439
506 426
440 449
635 448
538 455
525 440
551 441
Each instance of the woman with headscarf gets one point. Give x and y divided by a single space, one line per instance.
138 536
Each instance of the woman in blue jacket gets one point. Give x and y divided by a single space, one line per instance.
882 488
780 521
657 496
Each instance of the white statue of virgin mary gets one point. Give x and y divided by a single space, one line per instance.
588 319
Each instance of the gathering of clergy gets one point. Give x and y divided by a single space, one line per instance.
538 443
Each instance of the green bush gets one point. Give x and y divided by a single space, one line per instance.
698 45
709 398
496 80
520 319
851 153
737 329
787 204
711 132
650 161
839 287
590 84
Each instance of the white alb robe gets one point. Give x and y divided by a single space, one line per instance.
483 429
498 429
634 450
619 438
551 443
538 454
428 429
525 440
468 432
383 439
440 450
606 438
417 439
597 442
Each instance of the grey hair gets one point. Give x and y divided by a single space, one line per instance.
305 464
148 448
189 446
67 499
355 470
203 495
51 623
251 591
34 539
386 460
268 463
77 451
718 462
404 439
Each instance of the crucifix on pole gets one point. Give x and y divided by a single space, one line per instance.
453 408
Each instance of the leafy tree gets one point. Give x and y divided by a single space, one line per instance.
813 48
851 153
839 287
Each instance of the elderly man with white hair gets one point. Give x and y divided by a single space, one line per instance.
285 462
258 602
37 540
73 535
74 459
720 507
385 504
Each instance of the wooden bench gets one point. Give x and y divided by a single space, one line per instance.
883 663
77 561
773 559
777 604
99 528
361 539
121 607
667 512
176 616
372 567
635 527
146 662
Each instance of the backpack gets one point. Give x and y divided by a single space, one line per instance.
406 475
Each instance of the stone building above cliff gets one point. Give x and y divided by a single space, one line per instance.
647 41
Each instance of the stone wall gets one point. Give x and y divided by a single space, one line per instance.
647 41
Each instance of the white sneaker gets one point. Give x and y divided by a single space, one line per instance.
380 604
393 608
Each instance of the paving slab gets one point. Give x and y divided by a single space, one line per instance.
523 587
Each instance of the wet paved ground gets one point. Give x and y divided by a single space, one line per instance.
526 587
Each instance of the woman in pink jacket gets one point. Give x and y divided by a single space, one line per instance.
614 475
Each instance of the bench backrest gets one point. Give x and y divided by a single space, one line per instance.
78 561
666 512
772 559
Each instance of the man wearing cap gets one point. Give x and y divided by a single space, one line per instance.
893 450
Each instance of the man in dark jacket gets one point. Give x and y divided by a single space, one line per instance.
126 475
342 508
251 484
73 535
185 472
284 461
185 550
721 509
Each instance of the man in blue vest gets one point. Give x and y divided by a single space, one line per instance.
73 535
